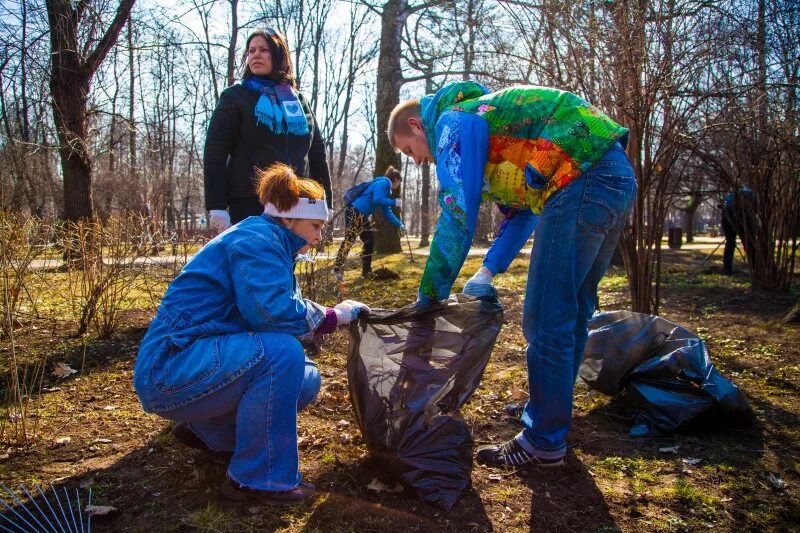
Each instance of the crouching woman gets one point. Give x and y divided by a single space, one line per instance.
223 355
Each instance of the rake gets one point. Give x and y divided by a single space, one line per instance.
63 515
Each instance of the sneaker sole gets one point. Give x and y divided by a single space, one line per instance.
227 491
525 465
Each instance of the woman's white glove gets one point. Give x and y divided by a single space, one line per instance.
398 202
219 219
348 310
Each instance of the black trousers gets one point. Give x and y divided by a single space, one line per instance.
729 230
356 225
241 208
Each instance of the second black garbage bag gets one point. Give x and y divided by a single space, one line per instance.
662 373
410 370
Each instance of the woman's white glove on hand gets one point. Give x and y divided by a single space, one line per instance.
398 202
348 310
219 219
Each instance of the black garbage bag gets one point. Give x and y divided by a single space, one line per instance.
664 372
409 371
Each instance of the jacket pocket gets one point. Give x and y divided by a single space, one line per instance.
184 367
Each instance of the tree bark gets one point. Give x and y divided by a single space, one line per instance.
70 78
390 79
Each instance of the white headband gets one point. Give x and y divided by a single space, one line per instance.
304 208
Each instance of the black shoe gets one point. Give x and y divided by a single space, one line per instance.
186 436
511 453
514 410
301 493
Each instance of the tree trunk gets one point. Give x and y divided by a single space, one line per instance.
70 77
425 207
231 66
390 79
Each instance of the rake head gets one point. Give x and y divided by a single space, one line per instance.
55 510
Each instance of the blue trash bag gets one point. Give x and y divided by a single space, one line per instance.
409 372
662 373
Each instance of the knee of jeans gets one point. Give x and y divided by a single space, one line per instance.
312 383
285 352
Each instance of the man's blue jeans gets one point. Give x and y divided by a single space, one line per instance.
256 415
577 232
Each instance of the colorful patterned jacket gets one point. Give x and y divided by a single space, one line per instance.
515 147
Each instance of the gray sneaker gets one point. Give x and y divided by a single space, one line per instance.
511 453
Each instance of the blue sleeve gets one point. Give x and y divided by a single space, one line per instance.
381 193
511 236
461 153
267 302
390 216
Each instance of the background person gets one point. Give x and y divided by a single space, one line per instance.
223 355
257 122
530 150
357 222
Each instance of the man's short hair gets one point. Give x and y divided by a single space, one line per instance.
398 119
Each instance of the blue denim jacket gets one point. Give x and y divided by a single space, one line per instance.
203 336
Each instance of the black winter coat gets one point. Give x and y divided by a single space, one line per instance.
236 147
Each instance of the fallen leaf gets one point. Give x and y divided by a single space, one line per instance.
63 370
692 461
101 441
100 510
377 486
109 407
777 482
519 395
342 423
61 441
670 449
495 477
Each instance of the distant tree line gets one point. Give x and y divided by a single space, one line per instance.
104 105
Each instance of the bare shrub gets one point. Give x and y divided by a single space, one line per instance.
112 275
21 242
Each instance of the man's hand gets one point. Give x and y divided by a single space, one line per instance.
480 285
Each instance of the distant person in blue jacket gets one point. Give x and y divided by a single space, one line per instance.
356 219
223 355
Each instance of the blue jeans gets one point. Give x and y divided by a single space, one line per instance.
255 416
577 232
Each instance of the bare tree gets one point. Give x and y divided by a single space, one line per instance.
73 65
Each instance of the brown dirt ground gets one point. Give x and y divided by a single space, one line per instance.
610 482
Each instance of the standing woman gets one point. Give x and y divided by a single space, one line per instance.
260 121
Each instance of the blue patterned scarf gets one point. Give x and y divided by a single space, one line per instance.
278 107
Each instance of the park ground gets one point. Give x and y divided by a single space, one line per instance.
89 431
